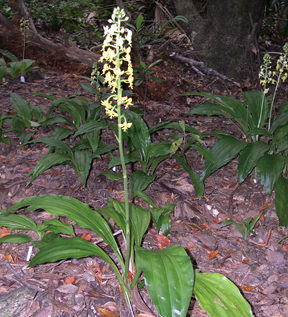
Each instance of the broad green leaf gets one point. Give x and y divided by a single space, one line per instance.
90 126
139 134
60 249
146 198
47 237
248 158
74 210
279 122
111 175
54 142
94 139
75 108
197 182
15 222
169 279
61 133
257 107
269 169
226 106
82 161
174 125
56 226
46 162
139 181
161 218
140 220
139 217
20 106
16 238
139 21
280 139
219 296
159 149
281 201
128 158
115 210
223 151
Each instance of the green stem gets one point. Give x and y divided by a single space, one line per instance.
124 171
272 103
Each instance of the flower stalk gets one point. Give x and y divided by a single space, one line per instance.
117 69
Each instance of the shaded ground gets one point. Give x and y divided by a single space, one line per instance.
258 266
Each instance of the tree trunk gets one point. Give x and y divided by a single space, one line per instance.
10 36
227 33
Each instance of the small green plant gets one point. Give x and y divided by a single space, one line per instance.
264 130
144 73
15 68
245 228
168 273
24 27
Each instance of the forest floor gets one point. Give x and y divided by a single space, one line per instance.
258 266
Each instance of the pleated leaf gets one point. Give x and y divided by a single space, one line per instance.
269 169
169 279
248 158
74 210
257 107
16 238
17 222
46 162
223 151
82 161
219 296
281 201
139 134
59 249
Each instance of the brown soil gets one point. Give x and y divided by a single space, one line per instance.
257 266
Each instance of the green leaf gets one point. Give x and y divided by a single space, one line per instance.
54 142
281 201
111 175
219 296
83 161
94 139
128 158
223 151
169 278
248 158
46 162
139 181
269 169
59 249
226 106
60 134
16 238
56 226
139 217
90 126
74 210
139 134
15 222
280 139
257 107
197 182
139 21
21 106
161 218
159 149
279 122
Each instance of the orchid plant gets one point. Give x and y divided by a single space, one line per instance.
168 273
